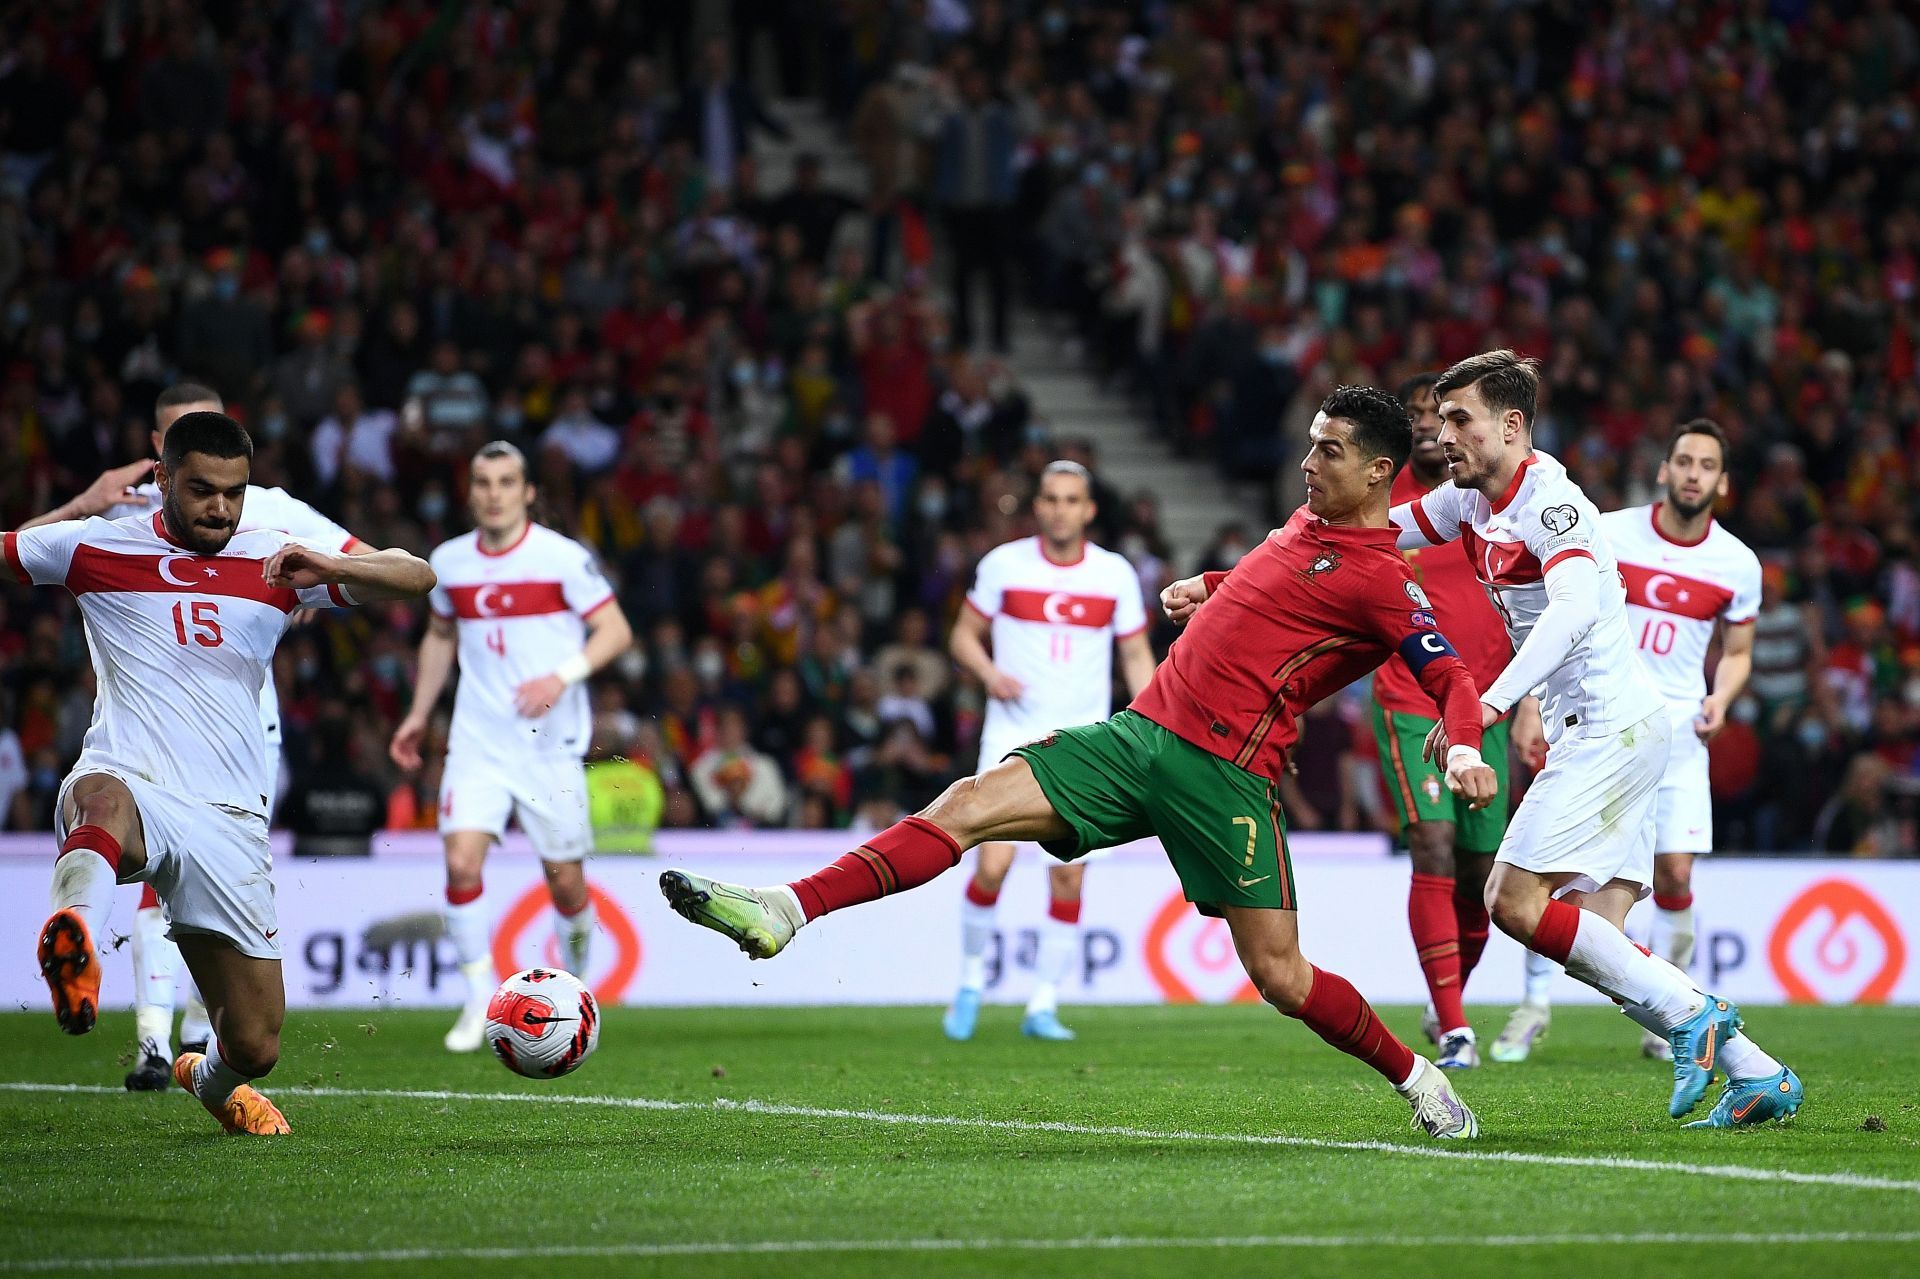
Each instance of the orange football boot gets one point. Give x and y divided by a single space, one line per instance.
72 970
246 1108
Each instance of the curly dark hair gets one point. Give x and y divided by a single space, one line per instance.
1382 427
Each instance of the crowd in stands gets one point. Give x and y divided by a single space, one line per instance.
388 233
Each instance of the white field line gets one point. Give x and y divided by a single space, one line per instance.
1734 1172
774 1247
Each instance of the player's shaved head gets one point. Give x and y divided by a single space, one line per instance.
499 490
205 463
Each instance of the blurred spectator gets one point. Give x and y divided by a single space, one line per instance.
973 185
625 800
736 784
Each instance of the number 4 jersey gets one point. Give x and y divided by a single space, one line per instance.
1676 591
181 644
520 612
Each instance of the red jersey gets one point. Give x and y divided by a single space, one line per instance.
1304 614
1459 605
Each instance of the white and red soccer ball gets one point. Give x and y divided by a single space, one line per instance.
542 1023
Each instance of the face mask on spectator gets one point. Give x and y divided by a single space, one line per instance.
273 425
1242 162
45 779
743 373
933 503
1064 156
388 668
508 417
306 668
433 505
318 242
1094 175
709 666
1054 23
226 287
18 313
1178 189
1813 734
1273 354
1120 153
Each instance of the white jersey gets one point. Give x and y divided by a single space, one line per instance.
268 508
1542 518
520 613
181 644
1676 591
1053 630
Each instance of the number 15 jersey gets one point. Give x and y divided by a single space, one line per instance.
519 613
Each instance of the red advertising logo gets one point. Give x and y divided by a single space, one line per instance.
1836 944
512 951
1191 957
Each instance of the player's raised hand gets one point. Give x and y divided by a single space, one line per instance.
1002 687
537 696
111 489
1180 599
295 567
404 749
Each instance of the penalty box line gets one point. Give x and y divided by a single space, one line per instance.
774 1247
1732 1172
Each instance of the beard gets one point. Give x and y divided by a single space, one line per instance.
201 539
1686 510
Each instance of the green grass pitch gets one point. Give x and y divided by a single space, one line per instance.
1154 1162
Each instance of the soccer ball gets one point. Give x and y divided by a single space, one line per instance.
543 1023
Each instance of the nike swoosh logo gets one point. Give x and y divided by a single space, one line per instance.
273 934
1741 1112
1249 883
1704 1058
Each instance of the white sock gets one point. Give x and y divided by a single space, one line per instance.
479 975
1419 1066
1059 944
214 1080
788 902
976 934
83 883
1671 936
195 1025
1741 1058
156 962
1540 971
468 925
573 934
1604 959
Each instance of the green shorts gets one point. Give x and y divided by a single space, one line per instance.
1129 778
1419 790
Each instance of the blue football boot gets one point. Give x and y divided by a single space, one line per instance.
959 1021
1044 1025
1746 1102
1696 1046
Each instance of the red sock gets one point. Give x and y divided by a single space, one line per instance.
1470 916
95 839
1678 901
905 855
1337 1013
1436 940
1553 935
461 896
1067 912
980 896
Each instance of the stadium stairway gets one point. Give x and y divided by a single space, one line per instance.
1193 500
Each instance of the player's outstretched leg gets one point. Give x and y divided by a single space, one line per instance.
1268 942
1059 947
468 924
245 994
1004 803
991 862
156 962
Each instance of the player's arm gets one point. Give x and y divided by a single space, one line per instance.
1136 662
1573 606
111 489
391 574
1439 671
608 635
438 648
1736 664
1530 733
1431 519
968 644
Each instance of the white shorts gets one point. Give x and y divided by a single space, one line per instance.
1683 808
211 867
1590 811
547 795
